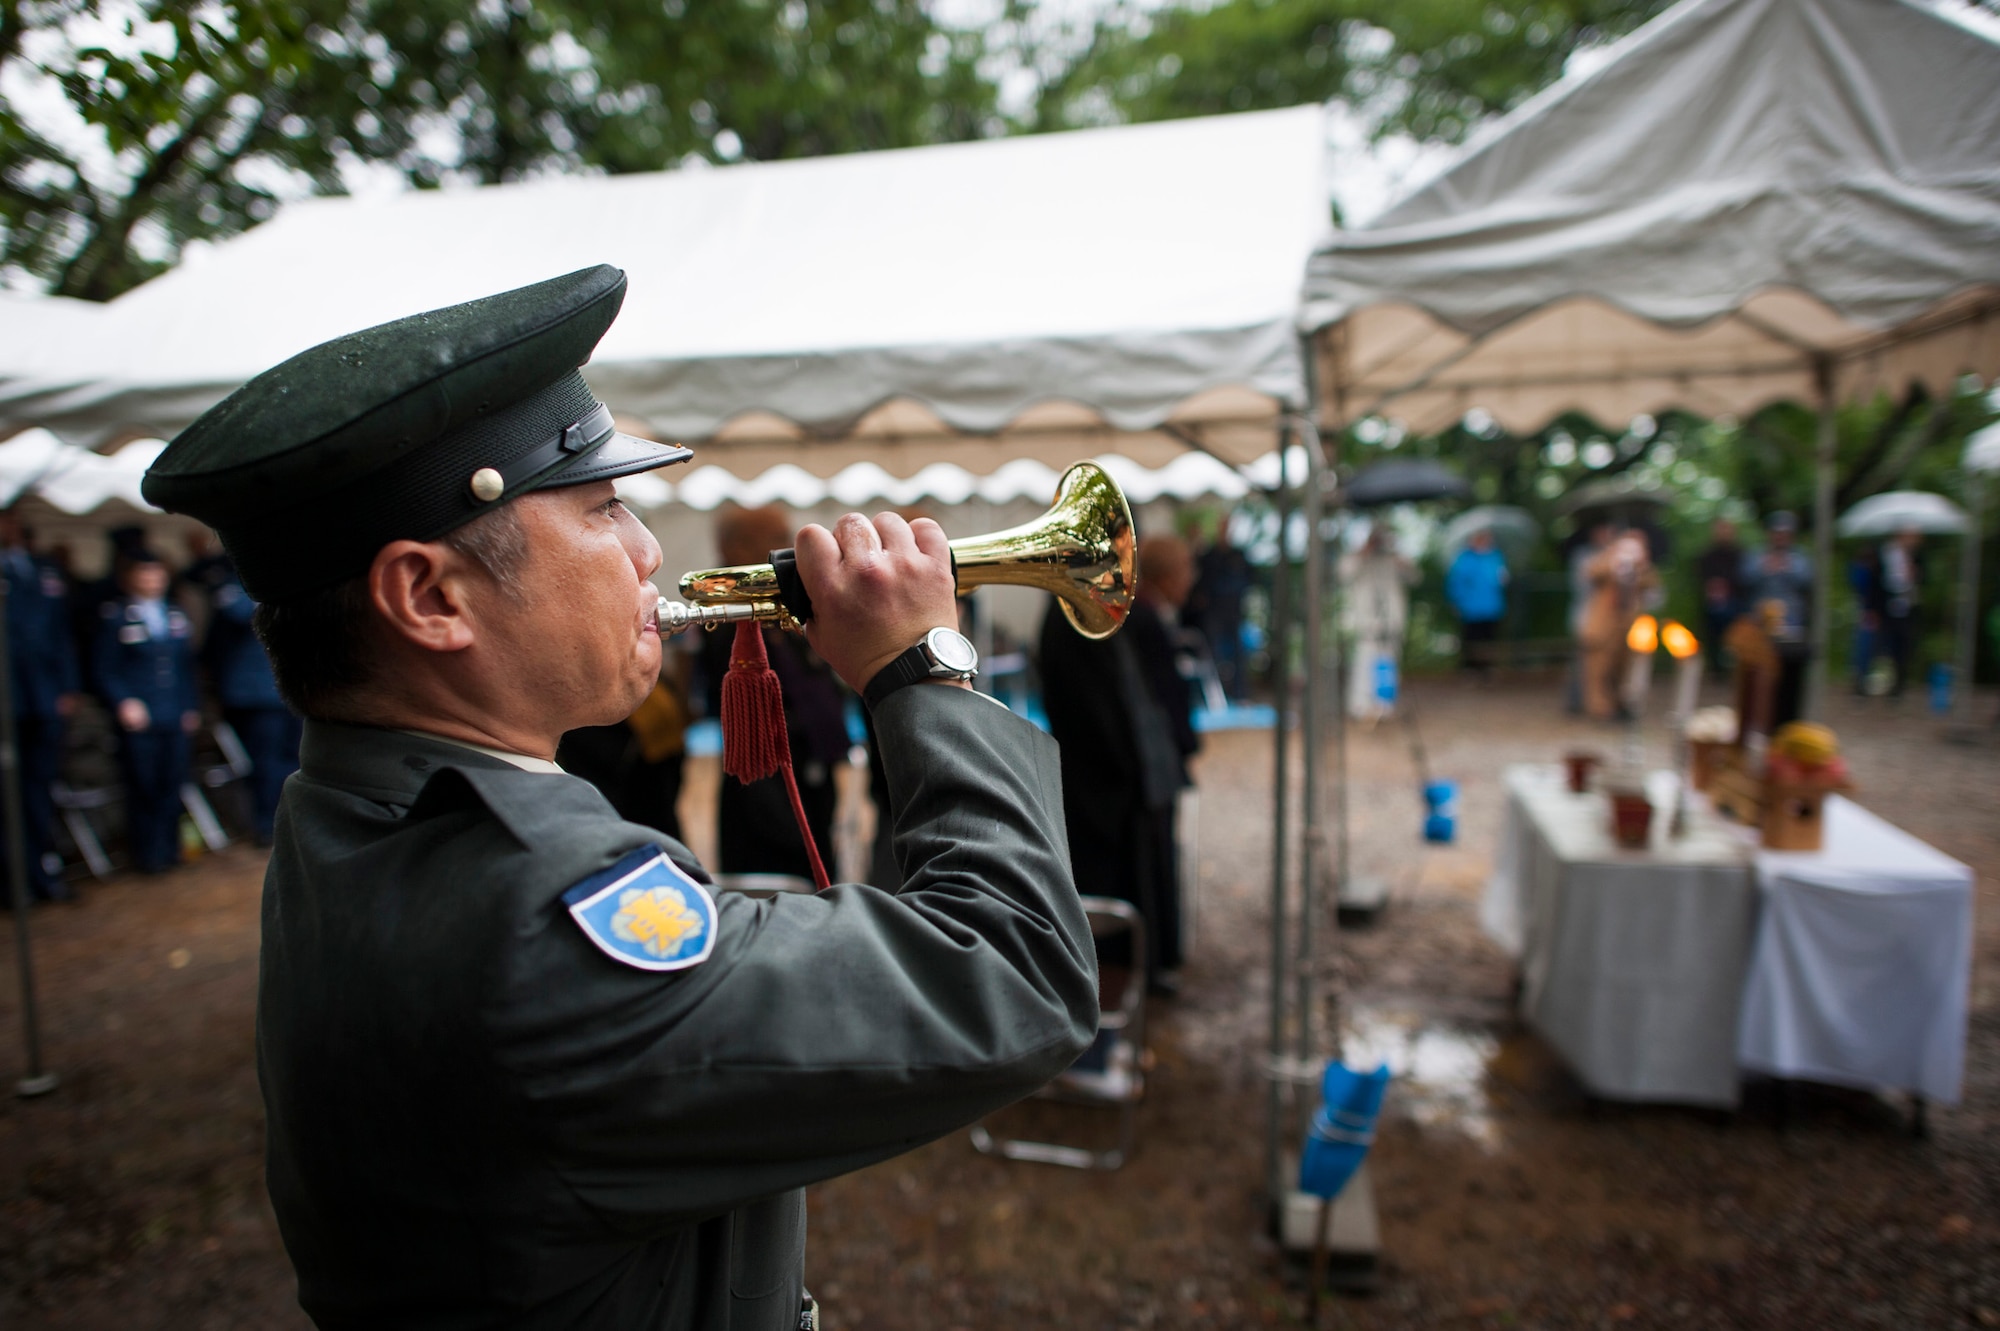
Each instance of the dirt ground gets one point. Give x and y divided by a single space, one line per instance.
133 1197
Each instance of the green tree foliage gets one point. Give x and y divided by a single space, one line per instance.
1428 67
183 122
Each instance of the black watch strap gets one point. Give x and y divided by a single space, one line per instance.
908 668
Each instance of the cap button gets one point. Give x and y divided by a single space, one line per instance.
488 485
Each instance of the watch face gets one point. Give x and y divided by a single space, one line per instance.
950 649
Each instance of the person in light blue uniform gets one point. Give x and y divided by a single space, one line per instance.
42 674
241 675
144 665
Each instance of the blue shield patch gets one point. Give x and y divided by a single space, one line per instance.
645 912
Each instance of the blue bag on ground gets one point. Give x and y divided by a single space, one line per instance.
1343 1128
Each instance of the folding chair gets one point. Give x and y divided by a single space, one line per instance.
74 807
1111 1074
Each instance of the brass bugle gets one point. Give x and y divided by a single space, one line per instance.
1081 551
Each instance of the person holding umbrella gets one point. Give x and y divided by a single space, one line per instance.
1377 581
1899 587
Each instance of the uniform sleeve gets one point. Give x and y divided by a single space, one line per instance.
184 672
69 678
824 1032
107 662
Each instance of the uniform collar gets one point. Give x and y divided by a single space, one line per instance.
391 766
525 762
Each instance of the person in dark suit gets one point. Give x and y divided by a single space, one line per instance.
521 1065
144 667
43 683
1121 712
240 674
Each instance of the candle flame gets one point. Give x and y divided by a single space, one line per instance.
1644 637
1679 642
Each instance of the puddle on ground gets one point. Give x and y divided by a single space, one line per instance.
1440 1069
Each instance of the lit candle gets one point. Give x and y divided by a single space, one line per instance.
1686 651
1642 639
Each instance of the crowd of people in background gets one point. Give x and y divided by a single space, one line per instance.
163 658
167 657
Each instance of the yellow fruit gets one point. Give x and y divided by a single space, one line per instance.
1808 744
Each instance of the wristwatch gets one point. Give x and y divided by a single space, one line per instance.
942 654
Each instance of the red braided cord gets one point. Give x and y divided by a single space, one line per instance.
755 744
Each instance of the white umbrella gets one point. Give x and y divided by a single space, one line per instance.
1982 451
1514 531
1905 510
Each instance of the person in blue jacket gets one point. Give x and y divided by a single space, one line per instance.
42 674
1476 585
248 692
144 664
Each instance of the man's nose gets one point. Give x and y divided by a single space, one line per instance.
644 549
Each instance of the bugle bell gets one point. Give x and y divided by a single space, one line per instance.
1081 550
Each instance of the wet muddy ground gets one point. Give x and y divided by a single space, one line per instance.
132 1198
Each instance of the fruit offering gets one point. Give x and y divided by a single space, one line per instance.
1805 754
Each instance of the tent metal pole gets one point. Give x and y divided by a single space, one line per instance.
1281 702
1824 462
37 1080
1311 720
1968 603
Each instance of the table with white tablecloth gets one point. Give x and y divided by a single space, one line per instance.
1659 974
1632 961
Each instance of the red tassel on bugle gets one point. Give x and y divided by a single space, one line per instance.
755 744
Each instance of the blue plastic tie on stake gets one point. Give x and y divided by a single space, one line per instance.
1342 1129
1441 822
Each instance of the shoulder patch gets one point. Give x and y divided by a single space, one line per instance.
645 912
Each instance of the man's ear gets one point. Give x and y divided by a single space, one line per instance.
418 588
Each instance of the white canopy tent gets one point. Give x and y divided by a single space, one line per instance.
1131 290
1747 201
1744 201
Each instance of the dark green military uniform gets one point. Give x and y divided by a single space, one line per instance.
477 1118
483 1115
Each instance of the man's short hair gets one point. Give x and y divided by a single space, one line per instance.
322 644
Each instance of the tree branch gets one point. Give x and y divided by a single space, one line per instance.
91 272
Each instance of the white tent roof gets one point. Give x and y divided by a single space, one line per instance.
1064 285
1743 189
74 480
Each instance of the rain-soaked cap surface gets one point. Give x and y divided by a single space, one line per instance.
403 431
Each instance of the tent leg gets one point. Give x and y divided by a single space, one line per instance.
1968 606
36 1080
1825 462
1313 843
1281 699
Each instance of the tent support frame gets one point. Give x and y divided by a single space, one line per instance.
36 1080
1825 459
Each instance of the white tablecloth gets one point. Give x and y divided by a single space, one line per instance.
1862 962
1657 974
1632 961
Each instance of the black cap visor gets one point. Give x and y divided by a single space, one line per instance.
619 454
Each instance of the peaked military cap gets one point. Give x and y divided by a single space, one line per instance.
403 431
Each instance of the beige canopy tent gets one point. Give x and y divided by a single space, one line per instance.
1130 290
1748 201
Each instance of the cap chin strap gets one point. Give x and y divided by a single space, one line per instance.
568 443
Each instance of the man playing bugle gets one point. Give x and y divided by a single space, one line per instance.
521 1066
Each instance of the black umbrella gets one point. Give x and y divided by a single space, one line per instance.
1402 481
